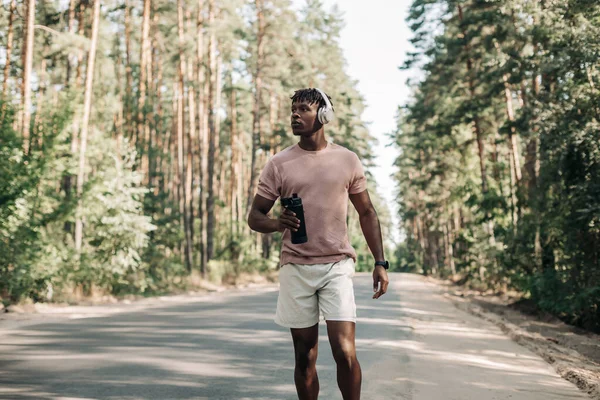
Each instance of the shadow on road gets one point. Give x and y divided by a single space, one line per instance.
224 348
411 344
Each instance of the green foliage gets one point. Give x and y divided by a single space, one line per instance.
114 218
38 257
29 263
540 234
133 230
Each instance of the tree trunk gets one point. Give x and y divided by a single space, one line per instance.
476 122
513 194
267 238
180 140
205 147
9 48
513 145
433 249
71 59
143 128
27 67
78 74
497 173
450 241
220 183
118 117
87 107
221 192
202 138
532 167
212 80
514 161
162 141
80 32
191 140
256 131
172 151
128 73
423 243
177 154
67 183
38 127
169 164
217 102
532 164
232 197
156 126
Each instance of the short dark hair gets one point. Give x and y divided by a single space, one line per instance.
311 96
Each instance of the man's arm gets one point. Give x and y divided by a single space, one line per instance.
372 231
369 223
259 221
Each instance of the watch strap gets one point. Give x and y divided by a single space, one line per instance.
384 264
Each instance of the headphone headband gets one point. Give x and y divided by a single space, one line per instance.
324 96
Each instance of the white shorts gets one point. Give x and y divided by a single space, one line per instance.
308 291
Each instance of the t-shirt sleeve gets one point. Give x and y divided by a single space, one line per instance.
358 182
269 182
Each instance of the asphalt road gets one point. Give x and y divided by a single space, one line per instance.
412 343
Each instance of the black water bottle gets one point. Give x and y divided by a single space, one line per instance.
294 204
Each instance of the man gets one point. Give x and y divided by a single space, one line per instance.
316 276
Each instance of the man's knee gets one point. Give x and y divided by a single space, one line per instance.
306 356
306 346
344 353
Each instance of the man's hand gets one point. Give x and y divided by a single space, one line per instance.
380 277
287 220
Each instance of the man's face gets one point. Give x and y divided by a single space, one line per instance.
304 119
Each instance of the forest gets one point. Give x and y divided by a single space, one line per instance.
133 133
499 165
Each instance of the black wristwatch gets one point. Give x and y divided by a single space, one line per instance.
384 264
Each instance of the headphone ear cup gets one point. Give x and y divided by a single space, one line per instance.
328 114
321 115
325 115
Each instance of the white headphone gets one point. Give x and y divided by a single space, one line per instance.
325 114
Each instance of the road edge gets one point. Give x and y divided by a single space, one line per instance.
41 313
560 357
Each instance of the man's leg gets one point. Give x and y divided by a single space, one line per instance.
306 347
349 375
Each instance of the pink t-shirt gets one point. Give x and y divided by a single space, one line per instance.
323 179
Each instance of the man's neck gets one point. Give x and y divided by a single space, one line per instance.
313 143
